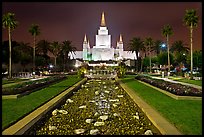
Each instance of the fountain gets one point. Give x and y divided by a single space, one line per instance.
99 107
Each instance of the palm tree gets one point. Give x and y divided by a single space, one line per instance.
9 22
157 46
166 32
191 21
35 31
42 48
55 48
149 42
179 50
66 49
179 46
135 46
25 52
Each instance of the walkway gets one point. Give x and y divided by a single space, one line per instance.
183 83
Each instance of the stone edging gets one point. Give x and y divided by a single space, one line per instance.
172 95
28 121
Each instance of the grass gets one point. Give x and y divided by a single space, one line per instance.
186 115
195 82
12 81
15 109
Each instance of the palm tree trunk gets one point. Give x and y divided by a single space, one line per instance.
9 30
191 37
150 68
168 55
55 61
141 65
34 57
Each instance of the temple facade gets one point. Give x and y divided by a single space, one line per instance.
102 50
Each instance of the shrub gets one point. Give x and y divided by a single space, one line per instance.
175 88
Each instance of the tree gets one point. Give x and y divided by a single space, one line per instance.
55 48
166 32
35 31
66 49
149 42
180 51
157 46
9 22
135 46
191 21
25 52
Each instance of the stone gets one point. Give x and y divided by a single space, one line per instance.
106 91
104 117
120 96
99 123
63 111
96 114
82 107
94 132
116 114
79 131
113 100
92 101
116 87
137 117
97 93
89 120
148 132
52 127
54 112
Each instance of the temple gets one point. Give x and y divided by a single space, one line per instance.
103 50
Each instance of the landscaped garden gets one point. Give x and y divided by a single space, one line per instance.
175 88
15 109
186 115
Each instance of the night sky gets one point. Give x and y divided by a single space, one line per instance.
61 21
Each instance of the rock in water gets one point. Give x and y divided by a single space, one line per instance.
99 123
104 117
106 91
116 114
96 114
120 96
137 117
82 107
94 132
54 112
52 127
63 111
69 100
79 131
97 93
89 120
148 132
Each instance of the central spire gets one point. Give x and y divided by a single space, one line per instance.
103 23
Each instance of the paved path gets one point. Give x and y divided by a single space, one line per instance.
183 83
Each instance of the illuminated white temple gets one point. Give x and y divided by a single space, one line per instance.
102 50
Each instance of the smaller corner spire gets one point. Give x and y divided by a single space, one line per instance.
85 40
121 38
103 23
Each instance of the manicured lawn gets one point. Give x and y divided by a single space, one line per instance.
15 109
186 115
195 82
5 81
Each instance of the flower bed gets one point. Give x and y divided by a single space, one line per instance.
175 88
31 85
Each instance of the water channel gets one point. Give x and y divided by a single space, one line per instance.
100 107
